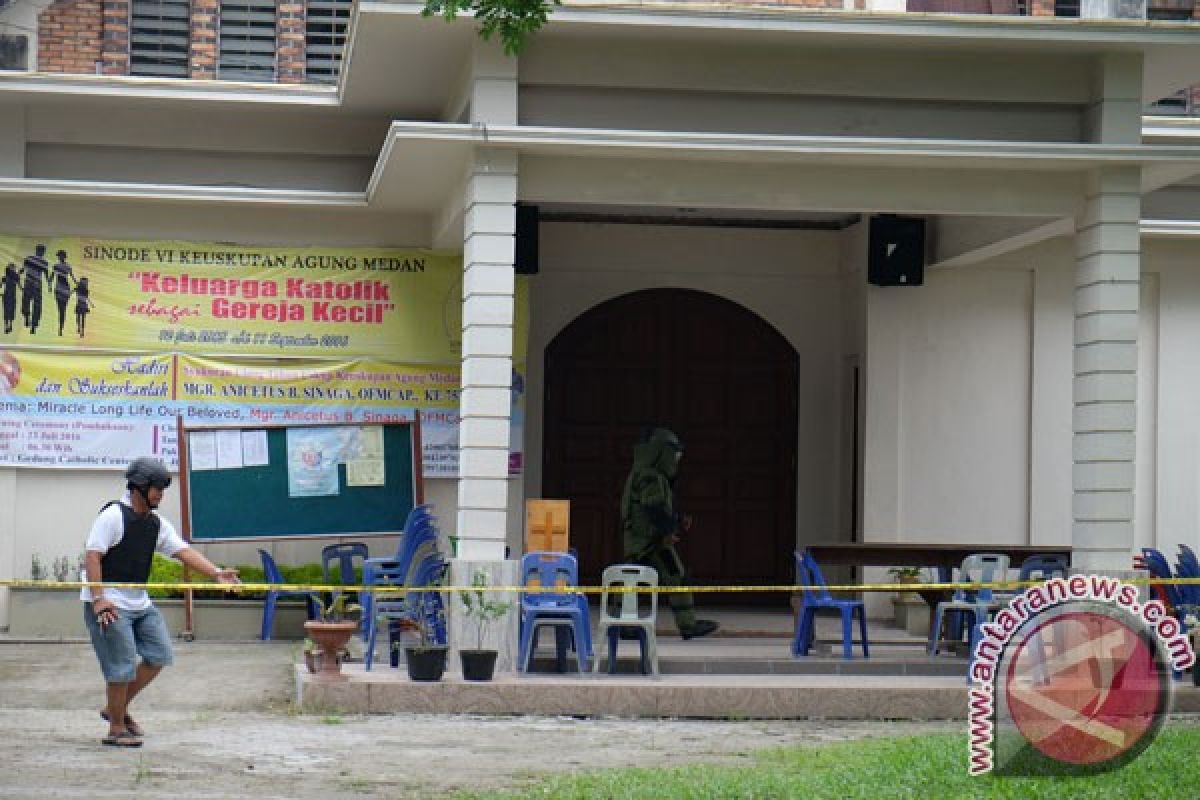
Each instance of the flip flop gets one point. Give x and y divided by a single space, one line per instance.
130 725
122 739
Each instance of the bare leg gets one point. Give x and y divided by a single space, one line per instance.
145 674
118 694
128 691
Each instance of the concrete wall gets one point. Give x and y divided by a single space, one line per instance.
810 90
993 342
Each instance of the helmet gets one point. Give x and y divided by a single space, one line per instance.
146 471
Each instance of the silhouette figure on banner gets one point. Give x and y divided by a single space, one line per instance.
10 285
62 276
83 305
35 268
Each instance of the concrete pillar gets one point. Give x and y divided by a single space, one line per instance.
501 634
489 224
485 406
1107 267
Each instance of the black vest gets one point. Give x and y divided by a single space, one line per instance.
129 560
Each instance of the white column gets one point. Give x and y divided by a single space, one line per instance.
489 223
1107 267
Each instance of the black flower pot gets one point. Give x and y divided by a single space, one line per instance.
478 665
425 663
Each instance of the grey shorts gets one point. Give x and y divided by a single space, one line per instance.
135 633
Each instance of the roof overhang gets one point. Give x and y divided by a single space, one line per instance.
419 162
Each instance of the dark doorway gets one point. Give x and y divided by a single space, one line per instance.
726 382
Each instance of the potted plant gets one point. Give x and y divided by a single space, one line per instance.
906 574
330 634
425 660
480 664
911 612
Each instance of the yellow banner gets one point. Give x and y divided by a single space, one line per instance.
333 302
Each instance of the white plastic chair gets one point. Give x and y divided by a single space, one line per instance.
978 568
630 615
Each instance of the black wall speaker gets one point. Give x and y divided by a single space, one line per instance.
896 251
525 259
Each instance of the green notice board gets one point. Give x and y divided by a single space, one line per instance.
255 502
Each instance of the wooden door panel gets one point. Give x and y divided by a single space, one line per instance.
719 377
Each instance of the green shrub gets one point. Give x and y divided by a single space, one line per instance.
168 570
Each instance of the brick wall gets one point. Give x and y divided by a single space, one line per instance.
115 42
69 36
290 41
202 50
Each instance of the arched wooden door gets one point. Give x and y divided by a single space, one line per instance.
717 375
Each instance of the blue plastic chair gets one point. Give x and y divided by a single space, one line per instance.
555 609
1158 567
422 608
1041 567
344 555
809 574
1188 567
1187 557
272 574
418 538
977 568
1034 568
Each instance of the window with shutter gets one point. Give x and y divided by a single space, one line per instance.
158 38
325 38
247 41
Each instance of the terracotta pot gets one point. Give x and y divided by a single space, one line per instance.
330 638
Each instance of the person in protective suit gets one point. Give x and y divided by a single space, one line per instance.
651 525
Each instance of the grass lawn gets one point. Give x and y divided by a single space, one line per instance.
912 767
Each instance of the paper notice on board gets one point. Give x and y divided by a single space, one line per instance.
254 449
313 455
202 450
229 449
365 472
367 443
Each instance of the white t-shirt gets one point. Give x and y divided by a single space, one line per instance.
107 531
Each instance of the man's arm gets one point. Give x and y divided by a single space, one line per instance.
196 560
104 609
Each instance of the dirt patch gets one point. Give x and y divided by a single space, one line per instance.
220 725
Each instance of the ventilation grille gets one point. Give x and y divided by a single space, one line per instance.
247 41
325 38
158 38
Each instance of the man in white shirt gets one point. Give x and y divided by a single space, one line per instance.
122 622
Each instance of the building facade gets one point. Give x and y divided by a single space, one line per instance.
705 183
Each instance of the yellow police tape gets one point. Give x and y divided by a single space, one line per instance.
377 589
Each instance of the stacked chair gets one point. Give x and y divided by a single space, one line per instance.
563 610
418 563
